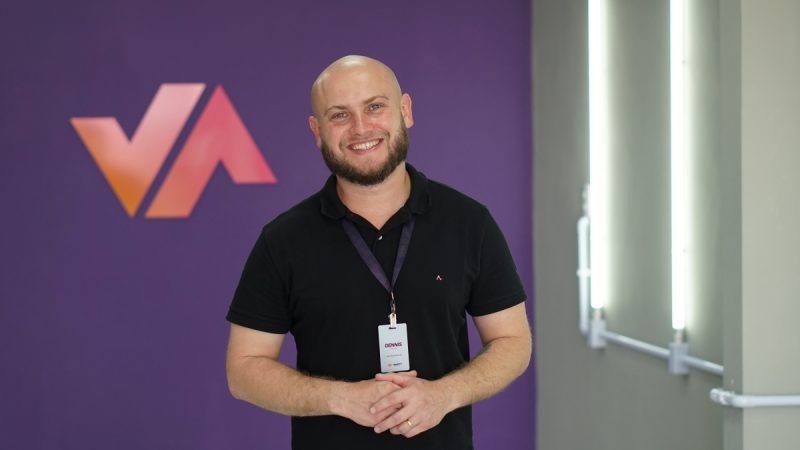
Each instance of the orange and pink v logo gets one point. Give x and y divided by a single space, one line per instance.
131 166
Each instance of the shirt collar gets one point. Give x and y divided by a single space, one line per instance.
418 201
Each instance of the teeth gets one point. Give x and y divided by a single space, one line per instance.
365 145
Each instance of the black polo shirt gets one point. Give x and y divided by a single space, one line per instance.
304 276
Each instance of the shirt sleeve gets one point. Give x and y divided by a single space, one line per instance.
497 285
261 301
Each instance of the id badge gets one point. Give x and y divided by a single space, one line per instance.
393 344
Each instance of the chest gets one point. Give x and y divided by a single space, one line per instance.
333 286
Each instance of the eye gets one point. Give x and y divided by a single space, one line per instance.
373 107
339 116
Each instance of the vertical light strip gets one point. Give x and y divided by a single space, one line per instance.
679 160
598 152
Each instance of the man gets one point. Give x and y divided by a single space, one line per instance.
375 273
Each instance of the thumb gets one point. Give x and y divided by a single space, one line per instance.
399 378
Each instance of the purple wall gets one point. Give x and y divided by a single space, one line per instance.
112 328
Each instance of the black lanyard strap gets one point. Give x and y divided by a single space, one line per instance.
372 262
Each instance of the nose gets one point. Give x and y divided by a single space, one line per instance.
360 124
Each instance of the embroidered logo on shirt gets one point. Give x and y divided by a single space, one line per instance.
439 278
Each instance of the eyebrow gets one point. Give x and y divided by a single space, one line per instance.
366 102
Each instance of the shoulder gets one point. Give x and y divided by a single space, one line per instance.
448 200
301 218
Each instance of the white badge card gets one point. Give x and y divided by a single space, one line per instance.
394 348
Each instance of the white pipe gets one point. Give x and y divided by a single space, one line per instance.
659 352
583 273
702 364
641 346
728 398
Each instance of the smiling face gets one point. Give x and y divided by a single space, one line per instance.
360 120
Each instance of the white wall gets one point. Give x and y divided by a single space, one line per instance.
617 398
770 187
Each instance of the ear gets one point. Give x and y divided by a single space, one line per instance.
313 124
405 110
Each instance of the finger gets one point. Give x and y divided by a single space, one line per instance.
386 387
418 425
409 374
415 431
394 421
406 426
400 378
395 399
382 415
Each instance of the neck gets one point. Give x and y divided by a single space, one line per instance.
377 203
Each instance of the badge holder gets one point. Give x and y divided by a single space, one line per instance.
393 344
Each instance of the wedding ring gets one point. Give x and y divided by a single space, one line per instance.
410 425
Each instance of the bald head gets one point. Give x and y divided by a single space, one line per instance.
360 119
347 71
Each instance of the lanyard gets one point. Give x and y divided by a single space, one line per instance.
373 264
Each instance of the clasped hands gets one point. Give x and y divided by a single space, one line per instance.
398 402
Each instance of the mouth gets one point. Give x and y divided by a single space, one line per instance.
366 146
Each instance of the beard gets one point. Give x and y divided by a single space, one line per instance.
398 151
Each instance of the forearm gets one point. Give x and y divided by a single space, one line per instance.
499 363
271 385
